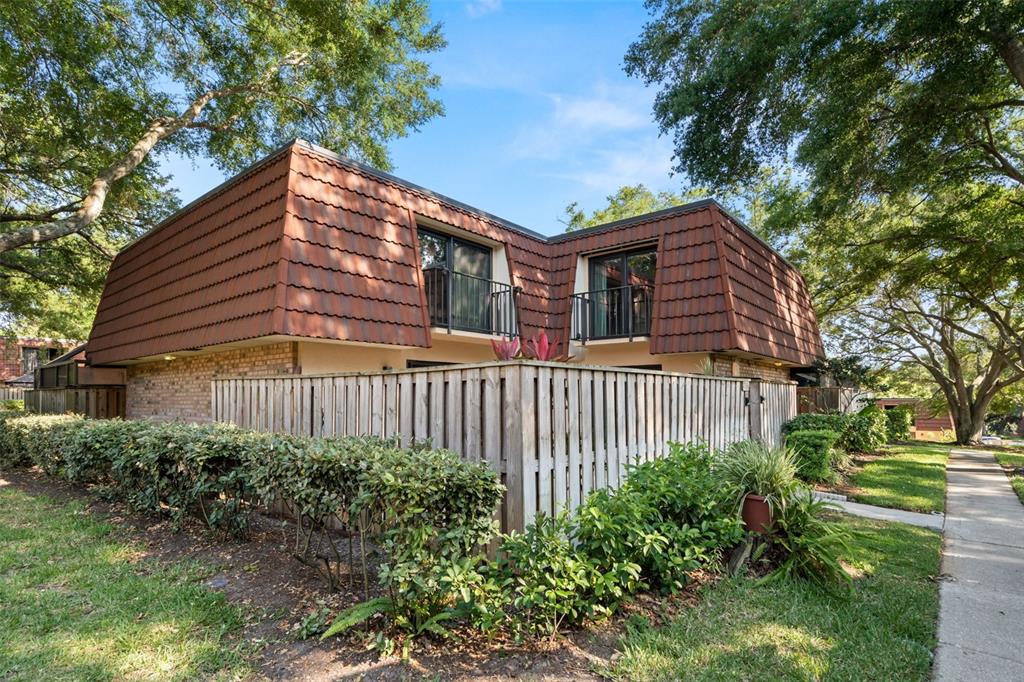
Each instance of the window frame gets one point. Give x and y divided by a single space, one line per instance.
449 250
593 259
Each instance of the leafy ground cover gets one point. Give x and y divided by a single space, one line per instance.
743 629
909 476
77 602
1013 465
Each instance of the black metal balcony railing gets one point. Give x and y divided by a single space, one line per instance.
468 303
622 312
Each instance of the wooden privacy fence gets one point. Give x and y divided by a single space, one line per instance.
100 402
827 399
554 432
11 393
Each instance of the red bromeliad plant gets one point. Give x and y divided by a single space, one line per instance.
539 347
506 349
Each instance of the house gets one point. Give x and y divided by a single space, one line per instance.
19 356
928 424
310 263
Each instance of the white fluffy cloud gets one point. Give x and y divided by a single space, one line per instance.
478 8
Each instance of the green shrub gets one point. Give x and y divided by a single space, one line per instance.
752 467
815 453
670 517
427 511
433 512
33 439
551 581
900 420
12 405
825 421
866 431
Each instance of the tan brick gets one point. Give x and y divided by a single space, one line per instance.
179 389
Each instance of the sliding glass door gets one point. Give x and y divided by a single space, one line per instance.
457 276
621 294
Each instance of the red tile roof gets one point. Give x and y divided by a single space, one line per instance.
309 244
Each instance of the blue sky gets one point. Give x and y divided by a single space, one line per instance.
539 112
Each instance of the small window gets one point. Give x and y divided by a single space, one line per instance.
29 359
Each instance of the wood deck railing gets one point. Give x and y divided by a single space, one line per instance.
553 431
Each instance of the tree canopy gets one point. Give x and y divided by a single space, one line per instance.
625 202
90 91
870 97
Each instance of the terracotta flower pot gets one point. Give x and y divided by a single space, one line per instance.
757 515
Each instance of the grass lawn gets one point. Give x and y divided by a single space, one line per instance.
745 630
77 603
911 477
1016 480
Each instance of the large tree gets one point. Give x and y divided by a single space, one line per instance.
90 90
904 121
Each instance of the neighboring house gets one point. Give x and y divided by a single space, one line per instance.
71 371
20 356
311 263
928 424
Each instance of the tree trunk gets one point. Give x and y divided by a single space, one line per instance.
1011 49
968 429
969 419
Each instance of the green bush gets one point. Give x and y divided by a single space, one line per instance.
815 451
12 405
825 421
866 431
427 511
433 512
670 517
900 420
28 439
550 581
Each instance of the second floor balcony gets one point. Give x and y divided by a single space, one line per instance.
617 313
461 302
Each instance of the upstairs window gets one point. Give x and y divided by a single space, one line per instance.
621 297
459 290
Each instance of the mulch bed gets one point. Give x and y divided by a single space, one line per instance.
277 593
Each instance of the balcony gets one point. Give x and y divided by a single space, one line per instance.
618 313
461 302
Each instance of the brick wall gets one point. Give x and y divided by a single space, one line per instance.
729 366
179 389
11 365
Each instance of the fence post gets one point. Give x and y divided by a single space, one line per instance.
754 406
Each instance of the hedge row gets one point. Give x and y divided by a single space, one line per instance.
426 511
823 440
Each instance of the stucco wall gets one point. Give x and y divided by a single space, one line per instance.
179 389
636 354
323 357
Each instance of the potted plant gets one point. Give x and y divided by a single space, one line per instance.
764 478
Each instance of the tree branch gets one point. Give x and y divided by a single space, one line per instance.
161 128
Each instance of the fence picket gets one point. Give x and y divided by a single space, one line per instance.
553 432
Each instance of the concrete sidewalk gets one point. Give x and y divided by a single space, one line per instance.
981 598
869 511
